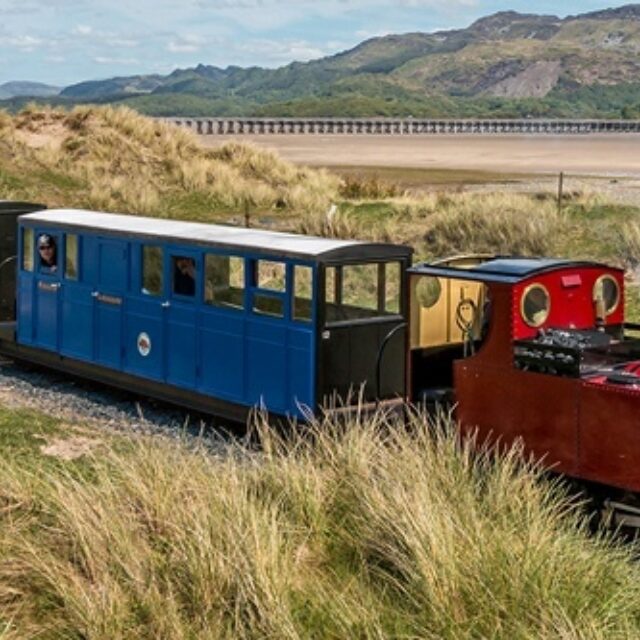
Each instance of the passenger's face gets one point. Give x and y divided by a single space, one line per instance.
183 265
46 251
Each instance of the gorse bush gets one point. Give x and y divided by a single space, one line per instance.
114 159
365 529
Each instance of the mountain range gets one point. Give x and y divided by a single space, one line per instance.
34 89
506 64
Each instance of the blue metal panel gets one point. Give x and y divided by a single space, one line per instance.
112 272
77 320
25 307
180 344
113 266
300 369
222 353
108 338
144 337
89 259
266 362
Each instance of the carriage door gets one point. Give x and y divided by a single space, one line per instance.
47 289
181 317
113 270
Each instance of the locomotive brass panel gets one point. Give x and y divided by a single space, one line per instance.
433 317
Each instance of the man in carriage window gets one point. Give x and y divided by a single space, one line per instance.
47 251
184 276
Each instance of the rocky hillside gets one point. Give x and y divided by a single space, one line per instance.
504 64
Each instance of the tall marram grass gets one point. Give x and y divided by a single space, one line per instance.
364 530
438 224
117 160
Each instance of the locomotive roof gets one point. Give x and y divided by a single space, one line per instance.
503 269
228 237
13 207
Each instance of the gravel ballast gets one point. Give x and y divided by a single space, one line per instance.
75 400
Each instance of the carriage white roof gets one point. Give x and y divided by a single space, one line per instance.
204 234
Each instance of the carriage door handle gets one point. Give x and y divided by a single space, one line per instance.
166 304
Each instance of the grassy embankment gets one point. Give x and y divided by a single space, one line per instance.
370 531
367 530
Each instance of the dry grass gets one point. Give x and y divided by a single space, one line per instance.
508 224
362 530
447 223
628 244
116 160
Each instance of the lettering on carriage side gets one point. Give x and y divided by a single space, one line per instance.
144 344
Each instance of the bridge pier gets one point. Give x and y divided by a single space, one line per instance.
400 126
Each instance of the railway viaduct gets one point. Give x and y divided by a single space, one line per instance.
399 126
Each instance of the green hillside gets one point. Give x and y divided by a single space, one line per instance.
504 65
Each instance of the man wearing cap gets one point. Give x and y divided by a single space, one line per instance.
48 254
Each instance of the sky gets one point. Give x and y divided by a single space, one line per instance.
61 42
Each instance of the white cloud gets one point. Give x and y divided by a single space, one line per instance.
82 30
279 51
22 42
188 43
116 61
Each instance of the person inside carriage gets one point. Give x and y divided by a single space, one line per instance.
48 254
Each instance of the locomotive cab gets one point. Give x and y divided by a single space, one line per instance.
449 318
543 354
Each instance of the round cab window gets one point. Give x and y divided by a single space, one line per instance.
428 290
535 305
606 289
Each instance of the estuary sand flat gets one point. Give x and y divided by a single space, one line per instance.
605 155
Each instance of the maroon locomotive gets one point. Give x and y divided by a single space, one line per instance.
536 349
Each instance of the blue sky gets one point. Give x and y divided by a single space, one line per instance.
66 41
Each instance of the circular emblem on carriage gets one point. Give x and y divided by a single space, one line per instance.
144 344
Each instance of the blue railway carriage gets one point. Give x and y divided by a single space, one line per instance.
221 319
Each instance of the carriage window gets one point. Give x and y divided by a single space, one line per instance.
224 281
71 257
606 289
535 305
302 292
184 275
360 287
268 305
271 275
393 283
330 285
152 281
27 249
363 291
